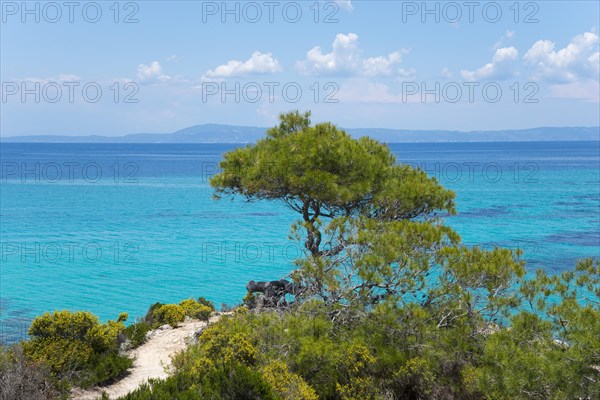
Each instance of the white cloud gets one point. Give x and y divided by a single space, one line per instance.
501 67
405 74
258 63
345 4
381 65
148 71
60 78
68 78
151 72
578 60
173 58
446 73
508 35
345 58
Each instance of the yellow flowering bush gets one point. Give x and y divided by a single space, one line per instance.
171 314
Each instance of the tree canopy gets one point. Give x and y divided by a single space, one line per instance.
322 172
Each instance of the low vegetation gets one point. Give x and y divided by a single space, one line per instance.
67 349
412 350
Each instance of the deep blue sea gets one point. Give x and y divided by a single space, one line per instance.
116 227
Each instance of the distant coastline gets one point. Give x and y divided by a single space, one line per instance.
222 134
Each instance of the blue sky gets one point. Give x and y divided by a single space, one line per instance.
462 66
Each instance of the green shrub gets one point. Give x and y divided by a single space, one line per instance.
105 368
286 384
63 324
235 383
63 356
75 346
171 314
196 310
136 333
206 303
359 388
249 300
217 347
149 317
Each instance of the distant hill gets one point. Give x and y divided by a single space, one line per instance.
207 133
215 133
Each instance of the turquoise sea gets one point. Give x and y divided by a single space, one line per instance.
116 227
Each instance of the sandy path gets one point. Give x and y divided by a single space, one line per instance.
151 360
